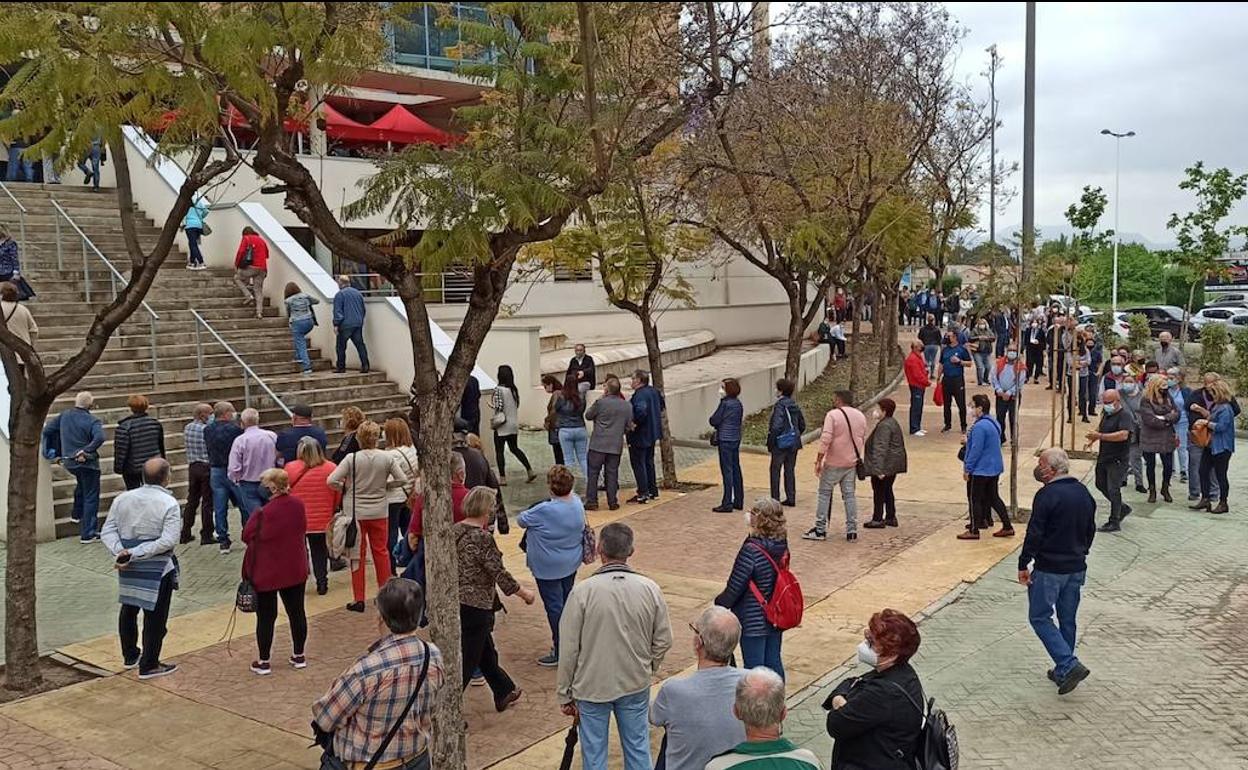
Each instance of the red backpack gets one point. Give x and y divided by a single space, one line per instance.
784 611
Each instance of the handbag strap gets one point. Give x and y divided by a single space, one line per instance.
758 594
850 428
420 681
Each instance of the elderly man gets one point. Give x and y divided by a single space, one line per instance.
141 531
75 436
613 635
918 380
1169 356
647 430
253 453
696 711
760 707
1007 378
199 476
610 416
300 425
219 438
349 313
1114 434
581 367
360 708
1059 537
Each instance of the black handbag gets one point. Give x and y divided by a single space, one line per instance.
246 599
24 291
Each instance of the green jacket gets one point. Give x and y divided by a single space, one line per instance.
779 754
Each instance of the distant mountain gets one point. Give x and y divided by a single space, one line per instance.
1052 233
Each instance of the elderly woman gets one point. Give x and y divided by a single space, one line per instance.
552 386
10 262
875 719
553 542
884 457
277 565
352 417
399 443
1219 419
765 550
1181 395
309 476
365 480
481 571
1158 416
727 421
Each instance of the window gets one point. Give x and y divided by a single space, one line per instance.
431 39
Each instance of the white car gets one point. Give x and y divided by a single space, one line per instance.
1121 328
1220 315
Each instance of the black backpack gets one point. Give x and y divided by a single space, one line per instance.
937 747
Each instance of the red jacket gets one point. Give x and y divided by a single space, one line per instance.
309 487
259 252
277 555
916 371
458 493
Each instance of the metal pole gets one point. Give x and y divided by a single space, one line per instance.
1117 238
60 261
86 272
199 354
246 389
992 145
155 365
1029 142
21 216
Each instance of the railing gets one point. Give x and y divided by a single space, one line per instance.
114 275
21 216
248 373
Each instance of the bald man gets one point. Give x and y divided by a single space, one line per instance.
349 314
1114 435
759 704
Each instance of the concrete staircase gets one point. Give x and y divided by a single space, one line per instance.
63 313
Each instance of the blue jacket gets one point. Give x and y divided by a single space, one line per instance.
751 565
219 437
947 367
1061 528
983 448
780 423
553 543
72 431
195 215
9 262
727 420
1222 420
647 417
349 308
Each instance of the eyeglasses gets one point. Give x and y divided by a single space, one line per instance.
695 630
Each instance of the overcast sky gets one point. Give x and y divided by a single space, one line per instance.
1173 73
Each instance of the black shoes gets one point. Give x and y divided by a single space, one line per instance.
1110 526
1220 508
851 536
1203 504
1141 489
722 509
1072 680
874 524
355 607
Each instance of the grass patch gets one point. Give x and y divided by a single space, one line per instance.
816 398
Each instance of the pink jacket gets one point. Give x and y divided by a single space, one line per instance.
834 444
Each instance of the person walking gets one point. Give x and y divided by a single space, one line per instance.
1085 370
727 424
251 266
752 582
582 370
1169 356
309 484
276 563
199 478
759 705
1114 433
481 576
570 420
253 453
1132 393
470 404
349 313
352 719
138 438
1219 420
1158 416
398 513
1181 395
352 419
219 438
648 406
365 479
141 532
875 720
301 319
840 451
77 436
610 415
552 386
613 636
1053 562
301 427
415 568
193 225
95 155
10 256
1007 379
784 440
506 424
695 711
884 457
17 317
983 339
554 549
954 360
918 380
982 466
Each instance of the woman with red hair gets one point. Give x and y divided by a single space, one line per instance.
875 719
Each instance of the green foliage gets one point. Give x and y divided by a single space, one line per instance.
1178 287
1213 342
1141 275
1104 324
1084 217
1240 341
948 283
1202 238
1138 334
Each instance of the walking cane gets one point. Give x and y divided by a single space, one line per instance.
569 745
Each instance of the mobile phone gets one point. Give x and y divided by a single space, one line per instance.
123 558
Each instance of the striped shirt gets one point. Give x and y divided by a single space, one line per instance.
363 703
196 447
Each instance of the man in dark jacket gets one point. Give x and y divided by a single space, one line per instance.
610 416
582 368
300 425
1059 536
349 312
76 435
138 438
647 429
219 437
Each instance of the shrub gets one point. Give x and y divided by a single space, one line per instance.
1138 333
947 284
1240 340
1213 340
1104 324
1177 286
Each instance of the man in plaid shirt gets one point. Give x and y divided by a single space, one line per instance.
199 487
363 703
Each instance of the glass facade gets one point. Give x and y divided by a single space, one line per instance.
431 39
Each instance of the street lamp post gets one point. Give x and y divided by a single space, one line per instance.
1118 137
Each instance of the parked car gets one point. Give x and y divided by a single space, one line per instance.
1221 315
1161 318
1066 305
1223 298
1120 322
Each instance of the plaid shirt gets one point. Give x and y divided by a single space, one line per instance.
363 704
196 447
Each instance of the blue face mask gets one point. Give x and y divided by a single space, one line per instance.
1011 355
1171 382
1109 409
1116 369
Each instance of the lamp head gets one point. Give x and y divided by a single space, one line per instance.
1106 131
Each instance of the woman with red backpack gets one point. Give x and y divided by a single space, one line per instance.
761 590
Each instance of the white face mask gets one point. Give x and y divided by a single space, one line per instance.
722 393
877 414
867 655
749 521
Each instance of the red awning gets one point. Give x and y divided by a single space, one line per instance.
402 127
339 126
236 119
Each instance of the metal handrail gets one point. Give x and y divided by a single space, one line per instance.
248 373
114 274
21 214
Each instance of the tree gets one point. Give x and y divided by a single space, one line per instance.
1202 238
1141 275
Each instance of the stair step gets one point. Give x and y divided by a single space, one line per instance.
183 396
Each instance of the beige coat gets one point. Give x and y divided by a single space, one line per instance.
376 471
20 321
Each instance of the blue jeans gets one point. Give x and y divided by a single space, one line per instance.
575 445
929 355
916 408
981 367
86 500
356 335
224 492
1050 592
16 161
763 651
554 595
253 497
193 234
92 173
631 721
642 460
299 330
730 472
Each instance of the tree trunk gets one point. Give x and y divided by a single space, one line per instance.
793 351
1187 314
881 326
667 453
21 642
854 364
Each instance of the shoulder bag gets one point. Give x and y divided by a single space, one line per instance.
350 529
246 599
790 438
859 468
500 411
